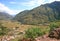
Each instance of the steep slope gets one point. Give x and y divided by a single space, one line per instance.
5 16
41 14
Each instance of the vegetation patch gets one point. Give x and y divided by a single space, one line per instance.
33 33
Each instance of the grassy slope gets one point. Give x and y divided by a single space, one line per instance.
11 24
22 27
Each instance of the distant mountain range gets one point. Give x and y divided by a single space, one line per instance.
5 16
41 14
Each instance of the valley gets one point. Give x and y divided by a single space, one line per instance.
41 23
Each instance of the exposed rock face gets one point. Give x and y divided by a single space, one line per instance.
55 33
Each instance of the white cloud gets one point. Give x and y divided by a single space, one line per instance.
57 0
44 1
37 2
4 8
33 3
30 3
12 2
17 11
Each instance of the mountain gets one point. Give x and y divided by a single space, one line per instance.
5 16
41 14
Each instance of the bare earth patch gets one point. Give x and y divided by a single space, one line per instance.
45 38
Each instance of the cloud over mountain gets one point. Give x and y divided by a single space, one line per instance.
4 8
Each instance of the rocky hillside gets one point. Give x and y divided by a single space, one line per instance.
41 14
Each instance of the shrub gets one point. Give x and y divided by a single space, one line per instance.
53 26
34 32
3 30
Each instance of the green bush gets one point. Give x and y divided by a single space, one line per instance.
53 26
34 32
3 30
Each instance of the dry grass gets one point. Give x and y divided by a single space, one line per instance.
22 27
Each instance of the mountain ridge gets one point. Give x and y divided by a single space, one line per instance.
5 16
41 14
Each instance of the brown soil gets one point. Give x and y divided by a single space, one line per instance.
54 35
45 38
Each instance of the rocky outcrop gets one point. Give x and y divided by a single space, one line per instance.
55 33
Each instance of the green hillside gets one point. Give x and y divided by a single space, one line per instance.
41 14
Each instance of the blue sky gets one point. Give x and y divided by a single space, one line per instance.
15 6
